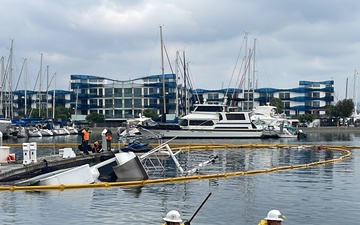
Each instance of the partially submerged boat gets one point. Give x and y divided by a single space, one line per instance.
123 166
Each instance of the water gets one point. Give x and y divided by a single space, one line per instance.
328 193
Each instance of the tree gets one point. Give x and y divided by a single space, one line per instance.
277 103
331 111
95 118
345 108
306 118
150 113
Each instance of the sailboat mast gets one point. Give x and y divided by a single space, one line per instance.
162 71
40 75
53 106
355 93
254 71
25 110
11 108
185 86
47 91
2 85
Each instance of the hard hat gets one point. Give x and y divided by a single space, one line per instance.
274 215
173 216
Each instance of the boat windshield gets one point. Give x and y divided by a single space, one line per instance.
209 108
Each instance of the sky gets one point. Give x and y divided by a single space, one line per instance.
312 40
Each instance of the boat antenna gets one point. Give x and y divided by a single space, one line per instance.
207 197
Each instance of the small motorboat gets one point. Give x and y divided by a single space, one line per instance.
301 135
136 147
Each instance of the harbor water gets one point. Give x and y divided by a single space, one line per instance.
324 194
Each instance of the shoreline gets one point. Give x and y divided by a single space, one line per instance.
330 129
305 129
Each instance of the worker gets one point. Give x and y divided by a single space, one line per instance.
97 146
173 218
108 136
85 140
274 217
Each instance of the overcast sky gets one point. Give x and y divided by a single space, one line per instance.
314 40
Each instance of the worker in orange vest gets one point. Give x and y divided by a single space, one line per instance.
108 137
85 140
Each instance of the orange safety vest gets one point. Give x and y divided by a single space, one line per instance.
86 135
108 136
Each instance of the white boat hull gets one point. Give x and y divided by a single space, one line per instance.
183 133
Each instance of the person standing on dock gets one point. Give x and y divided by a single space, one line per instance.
108 136
85 140
274 217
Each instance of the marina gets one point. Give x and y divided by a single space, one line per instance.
317 191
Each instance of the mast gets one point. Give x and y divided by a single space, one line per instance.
355 93
162 72
40 75
185 86
2 85
11 108
53 105
47 91
76 102
254 71
248 83
25 110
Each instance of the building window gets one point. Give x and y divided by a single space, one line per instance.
137 113
137 92
137 103
316 103
248 96
128 113
128 103
213 96
118 114
284 95
127 92
109 103
117 92
108 92
146 103
117 103
316 94
108 114
152 90
286 105
93 91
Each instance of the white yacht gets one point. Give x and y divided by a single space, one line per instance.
208 121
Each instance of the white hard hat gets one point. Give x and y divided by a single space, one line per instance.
274 215
173 216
